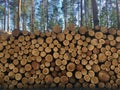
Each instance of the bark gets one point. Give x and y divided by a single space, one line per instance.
81 13
5 15
47 14
19 14
32 15
65 12
95 13
118 17
107 12
8 27
78 12
85 8
15 18
24 16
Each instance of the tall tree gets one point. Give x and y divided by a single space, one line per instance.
2 14
19 14
81 13
5 14
24 15
64 9
47 15
118 16
8 24
95 13
32 15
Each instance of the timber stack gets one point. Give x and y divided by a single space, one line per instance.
66 59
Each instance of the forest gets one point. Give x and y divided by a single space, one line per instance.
44 14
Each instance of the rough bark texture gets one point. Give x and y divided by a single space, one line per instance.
95 13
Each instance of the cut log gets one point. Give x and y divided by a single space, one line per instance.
103 76
71 67
78 75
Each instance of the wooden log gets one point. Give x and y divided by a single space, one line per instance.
94 80
112 31
44 45
71 27
61 37
45 71
77 36
25 32
71 67
103 29
28 67
94 42
82 30
35 65
43 54
58 62
103 76
78 75
15 32
48 79
101 57
98 35
49 40
91 33
15 70
56 80
87 78
69 74
96 68
64 79
69 37
18 76
91 73
56 29
21 38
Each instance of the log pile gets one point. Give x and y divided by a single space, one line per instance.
65 59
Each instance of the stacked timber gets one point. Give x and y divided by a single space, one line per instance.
65 59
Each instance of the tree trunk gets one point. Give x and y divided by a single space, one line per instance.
5 15
15 18
78 12
81 14
47 4
24 16
65 13
107 12
95 13
19 14
8 27
118 17
85 8
32 15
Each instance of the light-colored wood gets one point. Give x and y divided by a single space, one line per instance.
56 79
94 80
45 71
98 35
18 76
49 58
69 58
49 40
87 78
82 30
103 76
28 67
78 74
71 67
